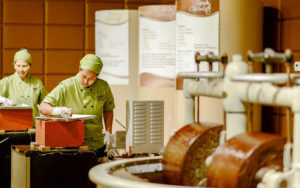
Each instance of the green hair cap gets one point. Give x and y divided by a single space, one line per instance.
91 62
23 55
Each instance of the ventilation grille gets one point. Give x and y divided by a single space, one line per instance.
147 126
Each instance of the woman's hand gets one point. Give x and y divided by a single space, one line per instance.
7 101
63 111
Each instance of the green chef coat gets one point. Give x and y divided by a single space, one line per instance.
93 100
31 91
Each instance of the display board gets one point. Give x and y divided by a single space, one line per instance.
197 30
112 45
157 45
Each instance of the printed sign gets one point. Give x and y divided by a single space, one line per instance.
197 30
111 45
157 45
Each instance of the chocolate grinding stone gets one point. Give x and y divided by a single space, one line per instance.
185 154
236 162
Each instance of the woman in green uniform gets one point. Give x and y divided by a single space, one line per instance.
86 94
22 87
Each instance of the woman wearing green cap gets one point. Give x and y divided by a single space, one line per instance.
22 87
86 94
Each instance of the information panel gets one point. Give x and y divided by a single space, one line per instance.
157 45
111 45
197 30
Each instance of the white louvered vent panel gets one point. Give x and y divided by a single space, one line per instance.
155 134
140 115
155 141
140 134
140 112
139 130
140 126
139 123
145 126
155 114
156 111
155 137
155 130
155 122
140 119
156 117
155 126
155 107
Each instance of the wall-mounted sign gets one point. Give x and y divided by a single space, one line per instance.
197 30
157 45
111 45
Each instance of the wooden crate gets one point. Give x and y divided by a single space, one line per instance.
16 119
59 134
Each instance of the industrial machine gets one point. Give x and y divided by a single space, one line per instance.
245 159
267 89
196 141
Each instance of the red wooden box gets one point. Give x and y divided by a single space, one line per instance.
16 119
59 134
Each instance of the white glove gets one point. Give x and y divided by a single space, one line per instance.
7 101
108 140
63 111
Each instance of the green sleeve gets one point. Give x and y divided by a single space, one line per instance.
3 88
43 93
56 96
110 103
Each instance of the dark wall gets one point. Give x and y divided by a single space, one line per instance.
281 31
